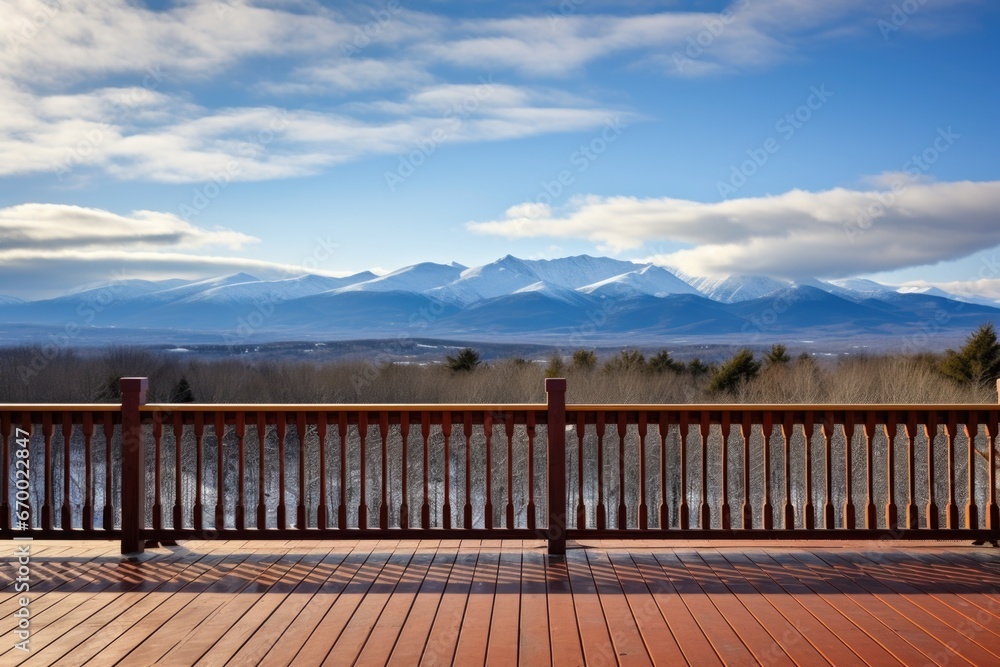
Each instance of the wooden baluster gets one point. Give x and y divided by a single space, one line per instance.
108 516
850 515
643 511
705 513
6 427
932 508
158 458
891 511
788 513
509 431
220 470
664 427
684 510
301 519
767 426
446 507
581 505
871 516
531 470
827 430
262 480
808 511
992 510
178 518
66 518
601 511
746 430
241 499
342 507
467 432
281 429
47 466
726 514
199 436
622 428
912 514
404 504
88 472
951 507
971 509
488 433
363 470
383 508
425 432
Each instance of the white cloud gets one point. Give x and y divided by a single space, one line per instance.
833 233
48 248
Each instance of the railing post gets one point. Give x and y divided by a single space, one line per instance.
555 389
133 464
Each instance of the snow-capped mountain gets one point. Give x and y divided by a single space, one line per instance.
733 289
415 278
572 299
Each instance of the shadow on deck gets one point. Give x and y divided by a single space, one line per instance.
466 602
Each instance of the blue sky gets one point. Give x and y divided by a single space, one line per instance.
189 139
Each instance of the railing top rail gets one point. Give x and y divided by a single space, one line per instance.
775 407
60 407
342 407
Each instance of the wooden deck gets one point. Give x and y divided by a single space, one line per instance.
466 603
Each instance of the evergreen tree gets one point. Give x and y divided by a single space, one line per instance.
741 368
556 367
778 355
978 362
584 360
181 393
626 361
467 359
661 362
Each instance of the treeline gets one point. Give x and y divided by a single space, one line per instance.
968 375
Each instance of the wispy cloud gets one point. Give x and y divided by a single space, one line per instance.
795 234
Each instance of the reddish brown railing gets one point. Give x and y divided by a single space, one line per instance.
457 471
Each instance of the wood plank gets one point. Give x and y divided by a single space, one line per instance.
413 637
628 644
505 621
265 603
656 633
724 639
807 626
337 615
851 602
386 632
691 640
597 646
564 628
533 637
945 635
347 647
444 633
975 622
783 642
475 636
